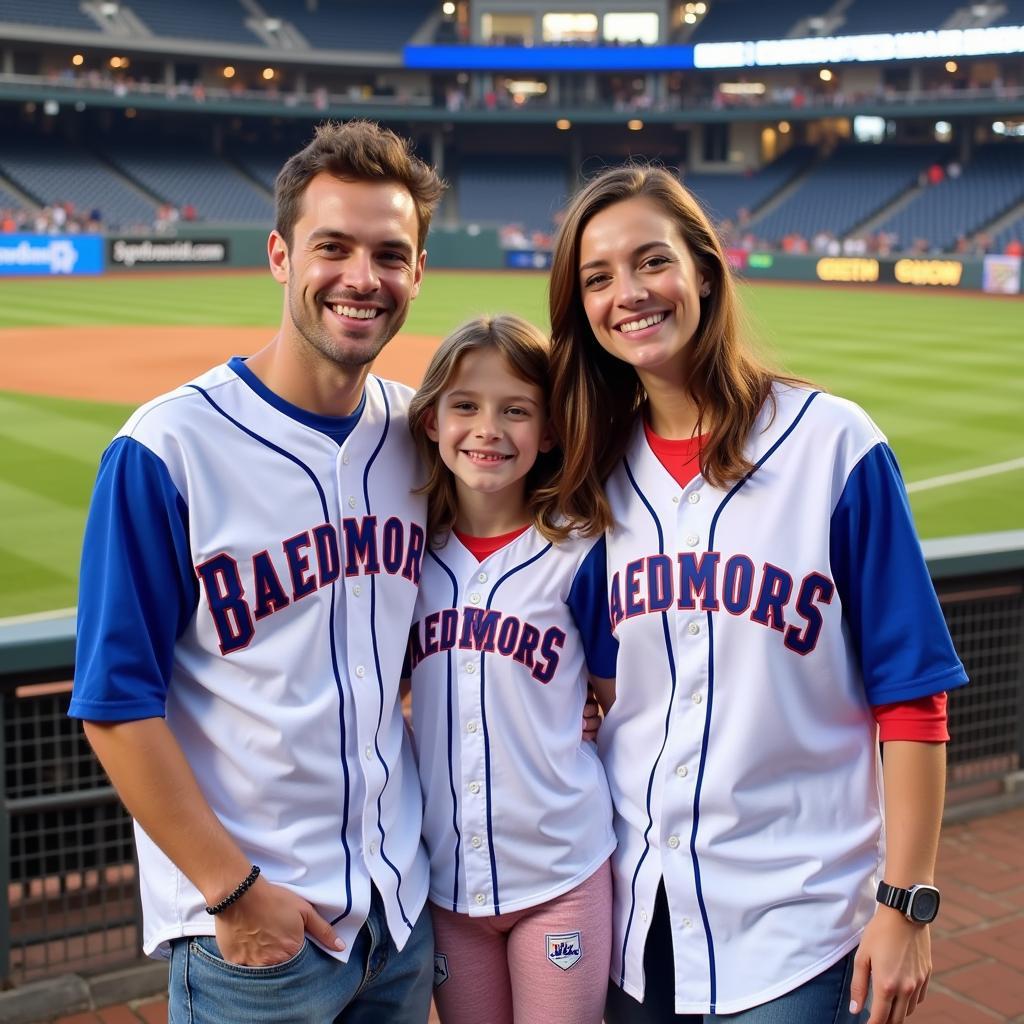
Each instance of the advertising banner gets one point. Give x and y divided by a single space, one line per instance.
52 255
167 252
1001 275
528 259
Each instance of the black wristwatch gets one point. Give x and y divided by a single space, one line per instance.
919 903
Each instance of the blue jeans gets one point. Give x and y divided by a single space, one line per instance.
825 999
378 983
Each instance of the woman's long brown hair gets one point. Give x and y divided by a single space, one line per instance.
527 353
596 398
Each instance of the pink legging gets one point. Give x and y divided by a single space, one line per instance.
528 966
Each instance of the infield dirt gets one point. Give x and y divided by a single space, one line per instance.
132 364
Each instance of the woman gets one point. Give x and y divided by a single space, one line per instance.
774 616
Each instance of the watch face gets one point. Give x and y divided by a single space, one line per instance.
924 905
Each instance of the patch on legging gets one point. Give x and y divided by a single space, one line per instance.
440 969
564 950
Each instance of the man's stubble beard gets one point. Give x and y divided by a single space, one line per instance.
321 341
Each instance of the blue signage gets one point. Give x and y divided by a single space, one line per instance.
548 58
52 255
528 259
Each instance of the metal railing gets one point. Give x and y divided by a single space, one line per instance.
69 894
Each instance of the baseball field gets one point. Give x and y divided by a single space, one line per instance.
939 372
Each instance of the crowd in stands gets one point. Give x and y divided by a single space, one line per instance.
55 219
168 215
64 219
680 94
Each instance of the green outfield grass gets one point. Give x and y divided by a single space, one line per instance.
940 373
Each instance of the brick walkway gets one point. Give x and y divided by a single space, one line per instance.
979 936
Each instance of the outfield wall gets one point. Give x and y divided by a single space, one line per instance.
474 248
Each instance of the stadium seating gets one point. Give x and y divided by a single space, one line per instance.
865 17
856 181
52 174
376 27
1011 233
991 183
1012 13
218 191
223 20
9 201
524 190
261 165
51 13
724 195
736 20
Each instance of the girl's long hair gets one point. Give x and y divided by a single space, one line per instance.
527 353
596 398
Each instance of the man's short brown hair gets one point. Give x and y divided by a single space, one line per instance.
356 151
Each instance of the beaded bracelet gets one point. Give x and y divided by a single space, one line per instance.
239 890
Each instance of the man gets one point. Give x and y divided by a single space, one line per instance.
248 577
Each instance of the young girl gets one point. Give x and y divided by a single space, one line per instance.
774 616
511 619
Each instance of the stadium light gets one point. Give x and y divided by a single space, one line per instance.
563 124
951 66
268 74
825 75
635 125
78 60
448 8
229 71
784 127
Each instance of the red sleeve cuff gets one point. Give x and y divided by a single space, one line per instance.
923 720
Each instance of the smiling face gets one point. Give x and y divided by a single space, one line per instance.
641 288
351 270
489 425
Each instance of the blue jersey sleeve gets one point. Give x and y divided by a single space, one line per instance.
895 622
588 602
137 590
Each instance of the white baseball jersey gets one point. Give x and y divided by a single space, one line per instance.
757 625
248 576
517 809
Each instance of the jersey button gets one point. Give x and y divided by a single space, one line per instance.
373 849
675 499
482 577
471 727
480 898
643 915
693 628
673 842
693 497
476 842
687 923
696 698
357 590
474 787
682 771
369 753
360 671
692 539
475 598
351 502
471 667
345 460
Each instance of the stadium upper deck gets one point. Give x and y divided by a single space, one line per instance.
228 82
